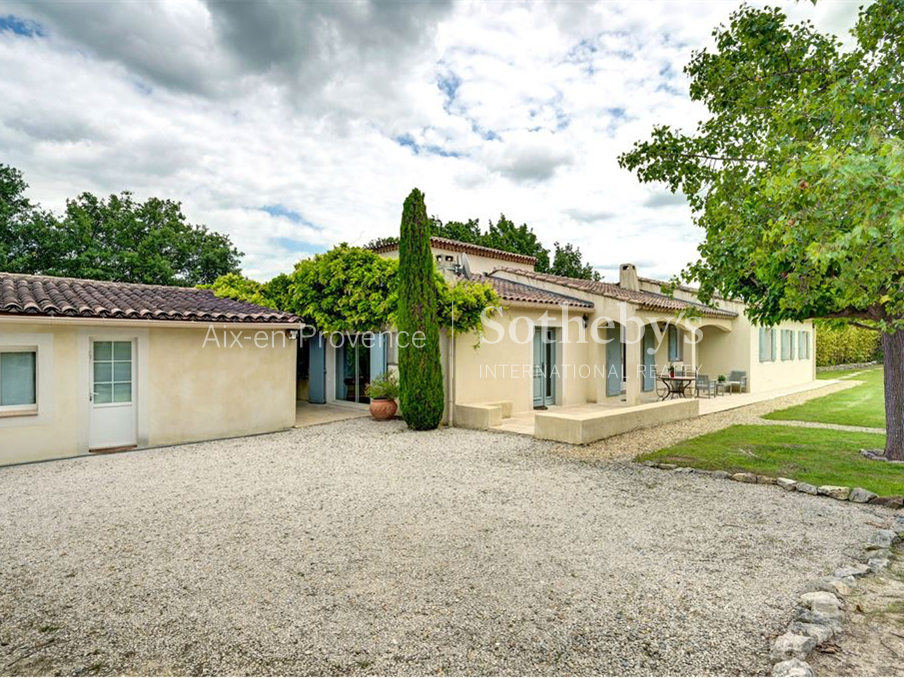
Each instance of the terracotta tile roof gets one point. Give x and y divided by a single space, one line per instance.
468 248
516 292
648 301
34 295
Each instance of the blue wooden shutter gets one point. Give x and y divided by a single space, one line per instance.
673 342
613 361
317 369
774 334
649 379
762 344
378 356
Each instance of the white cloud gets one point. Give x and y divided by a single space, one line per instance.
331 112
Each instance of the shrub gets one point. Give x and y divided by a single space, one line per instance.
846 345
383 387
420 370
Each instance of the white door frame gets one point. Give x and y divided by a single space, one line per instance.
139 338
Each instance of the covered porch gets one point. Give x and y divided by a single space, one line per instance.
581 424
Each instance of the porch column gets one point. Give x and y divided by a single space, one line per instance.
633 362
693 347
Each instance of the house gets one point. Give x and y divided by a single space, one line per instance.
564 342
97 366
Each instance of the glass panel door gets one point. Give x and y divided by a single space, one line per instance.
112 372
352 371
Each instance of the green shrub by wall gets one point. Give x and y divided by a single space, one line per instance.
841 346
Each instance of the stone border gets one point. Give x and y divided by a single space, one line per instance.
847 366
857 494
818 617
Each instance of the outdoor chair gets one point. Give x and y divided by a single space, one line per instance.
739 379
705 386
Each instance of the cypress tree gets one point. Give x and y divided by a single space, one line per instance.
420 370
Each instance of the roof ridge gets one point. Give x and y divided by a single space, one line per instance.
41 276
439 241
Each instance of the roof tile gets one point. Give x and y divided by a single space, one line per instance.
32 295
644 300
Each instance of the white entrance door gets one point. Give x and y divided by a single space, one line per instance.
112 394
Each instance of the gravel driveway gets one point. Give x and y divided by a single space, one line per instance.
359 547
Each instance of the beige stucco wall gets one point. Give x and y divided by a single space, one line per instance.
52 433
476 262
192 391
198 392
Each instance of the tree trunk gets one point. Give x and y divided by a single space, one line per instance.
893 348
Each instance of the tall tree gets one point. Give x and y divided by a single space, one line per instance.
116 239
463 231
567 261
797 175
420 369
504 235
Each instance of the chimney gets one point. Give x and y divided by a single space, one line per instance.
627 277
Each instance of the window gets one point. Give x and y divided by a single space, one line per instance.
767 345
18 380
112 372
676 346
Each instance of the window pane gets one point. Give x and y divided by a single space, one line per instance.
122 371
103 350
122 393
122 350
103 393
103 372
17 378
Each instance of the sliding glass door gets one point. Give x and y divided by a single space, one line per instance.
352 371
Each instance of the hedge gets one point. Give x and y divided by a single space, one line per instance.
841 346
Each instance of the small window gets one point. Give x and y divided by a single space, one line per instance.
18 380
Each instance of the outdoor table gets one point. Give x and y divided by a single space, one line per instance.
728 386
676 386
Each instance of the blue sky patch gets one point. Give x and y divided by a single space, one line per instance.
408 141
298 246
20 26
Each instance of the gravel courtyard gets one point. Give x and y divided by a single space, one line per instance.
360 547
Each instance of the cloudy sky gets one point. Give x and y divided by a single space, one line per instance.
296 125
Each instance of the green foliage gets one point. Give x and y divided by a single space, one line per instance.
351 289
796 176
383 387
504 235
461 305
568 261
420 370
846 345
273 294
463 231
348 289
116 239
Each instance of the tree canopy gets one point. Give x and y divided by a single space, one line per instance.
117 239
352 289
796 175
504 235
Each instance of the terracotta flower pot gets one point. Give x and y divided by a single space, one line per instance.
383 409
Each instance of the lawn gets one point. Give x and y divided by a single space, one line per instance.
862 405
817 456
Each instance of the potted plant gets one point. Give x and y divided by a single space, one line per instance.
722 378
383 391
671 370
